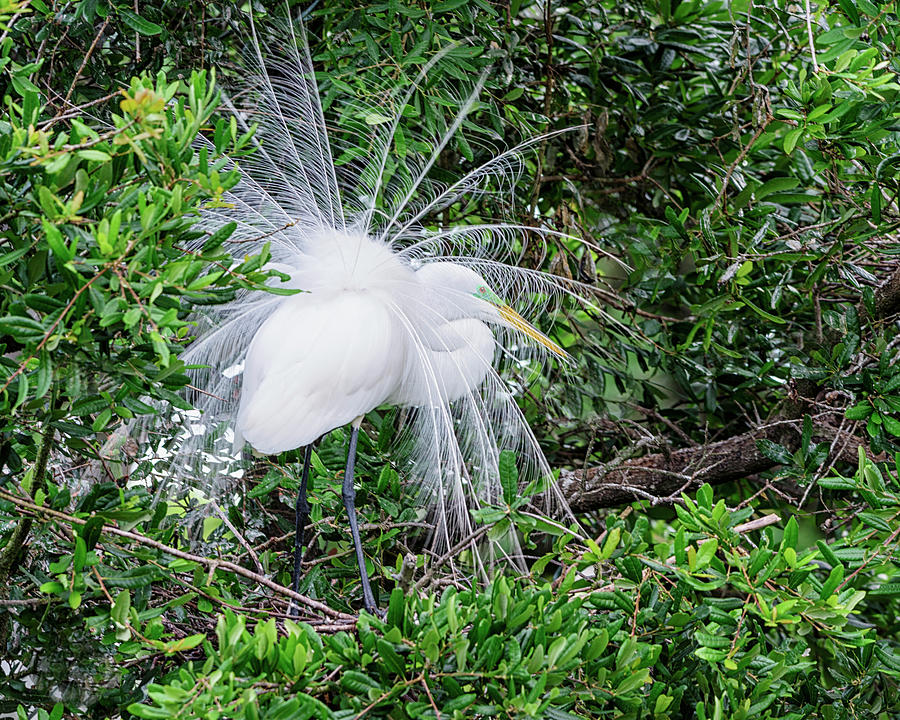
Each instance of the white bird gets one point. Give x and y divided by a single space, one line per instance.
387 311
368 331
372 331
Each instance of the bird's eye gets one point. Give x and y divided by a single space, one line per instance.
482 290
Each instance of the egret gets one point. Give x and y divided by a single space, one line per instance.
368 331
381 309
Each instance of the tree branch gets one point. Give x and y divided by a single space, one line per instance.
211 563
662 477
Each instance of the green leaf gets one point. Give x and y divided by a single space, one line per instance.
791 138
459 703
513 94
396 614
891 425
860 411
55 241
791 534
148 712
22 328
12 256
509 476
161 348
612 542
762 313
888 657
447 6
97 155
80 554
390 657
182 644
217 238
712 640
779 184
705 553
633 681
358 682
120 608
24 86
91 531
837 483
136 22
374 118
211 523
50 204
102 419
711 655
873 520
835 578
891 589
775 452
850 10
875 201
44 375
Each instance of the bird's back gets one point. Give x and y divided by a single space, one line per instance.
367 330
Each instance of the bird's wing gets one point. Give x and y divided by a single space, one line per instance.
449 364
314 366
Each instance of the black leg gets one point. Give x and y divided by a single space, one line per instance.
301 518
349 495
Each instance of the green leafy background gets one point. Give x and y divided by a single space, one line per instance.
741 159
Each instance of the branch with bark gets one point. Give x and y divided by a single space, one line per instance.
662 477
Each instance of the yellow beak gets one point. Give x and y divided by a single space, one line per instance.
520 323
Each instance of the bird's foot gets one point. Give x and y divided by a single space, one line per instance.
376 611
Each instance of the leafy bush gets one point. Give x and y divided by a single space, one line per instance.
746 176
658 622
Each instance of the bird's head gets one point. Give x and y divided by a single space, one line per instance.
463 282
513 319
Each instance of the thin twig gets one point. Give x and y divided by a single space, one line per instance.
174 552
87 56
434 706
25 602
49 332
77 111
137 35
240 538
757 524
12 20
737 161
470 538
812 44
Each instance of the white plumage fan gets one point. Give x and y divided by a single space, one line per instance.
389 309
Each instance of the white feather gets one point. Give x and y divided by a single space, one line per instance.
386 314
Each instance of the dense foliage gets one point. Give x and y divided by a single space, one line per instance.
741 160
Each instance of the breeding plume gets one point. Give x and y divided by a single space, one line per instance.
388 310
